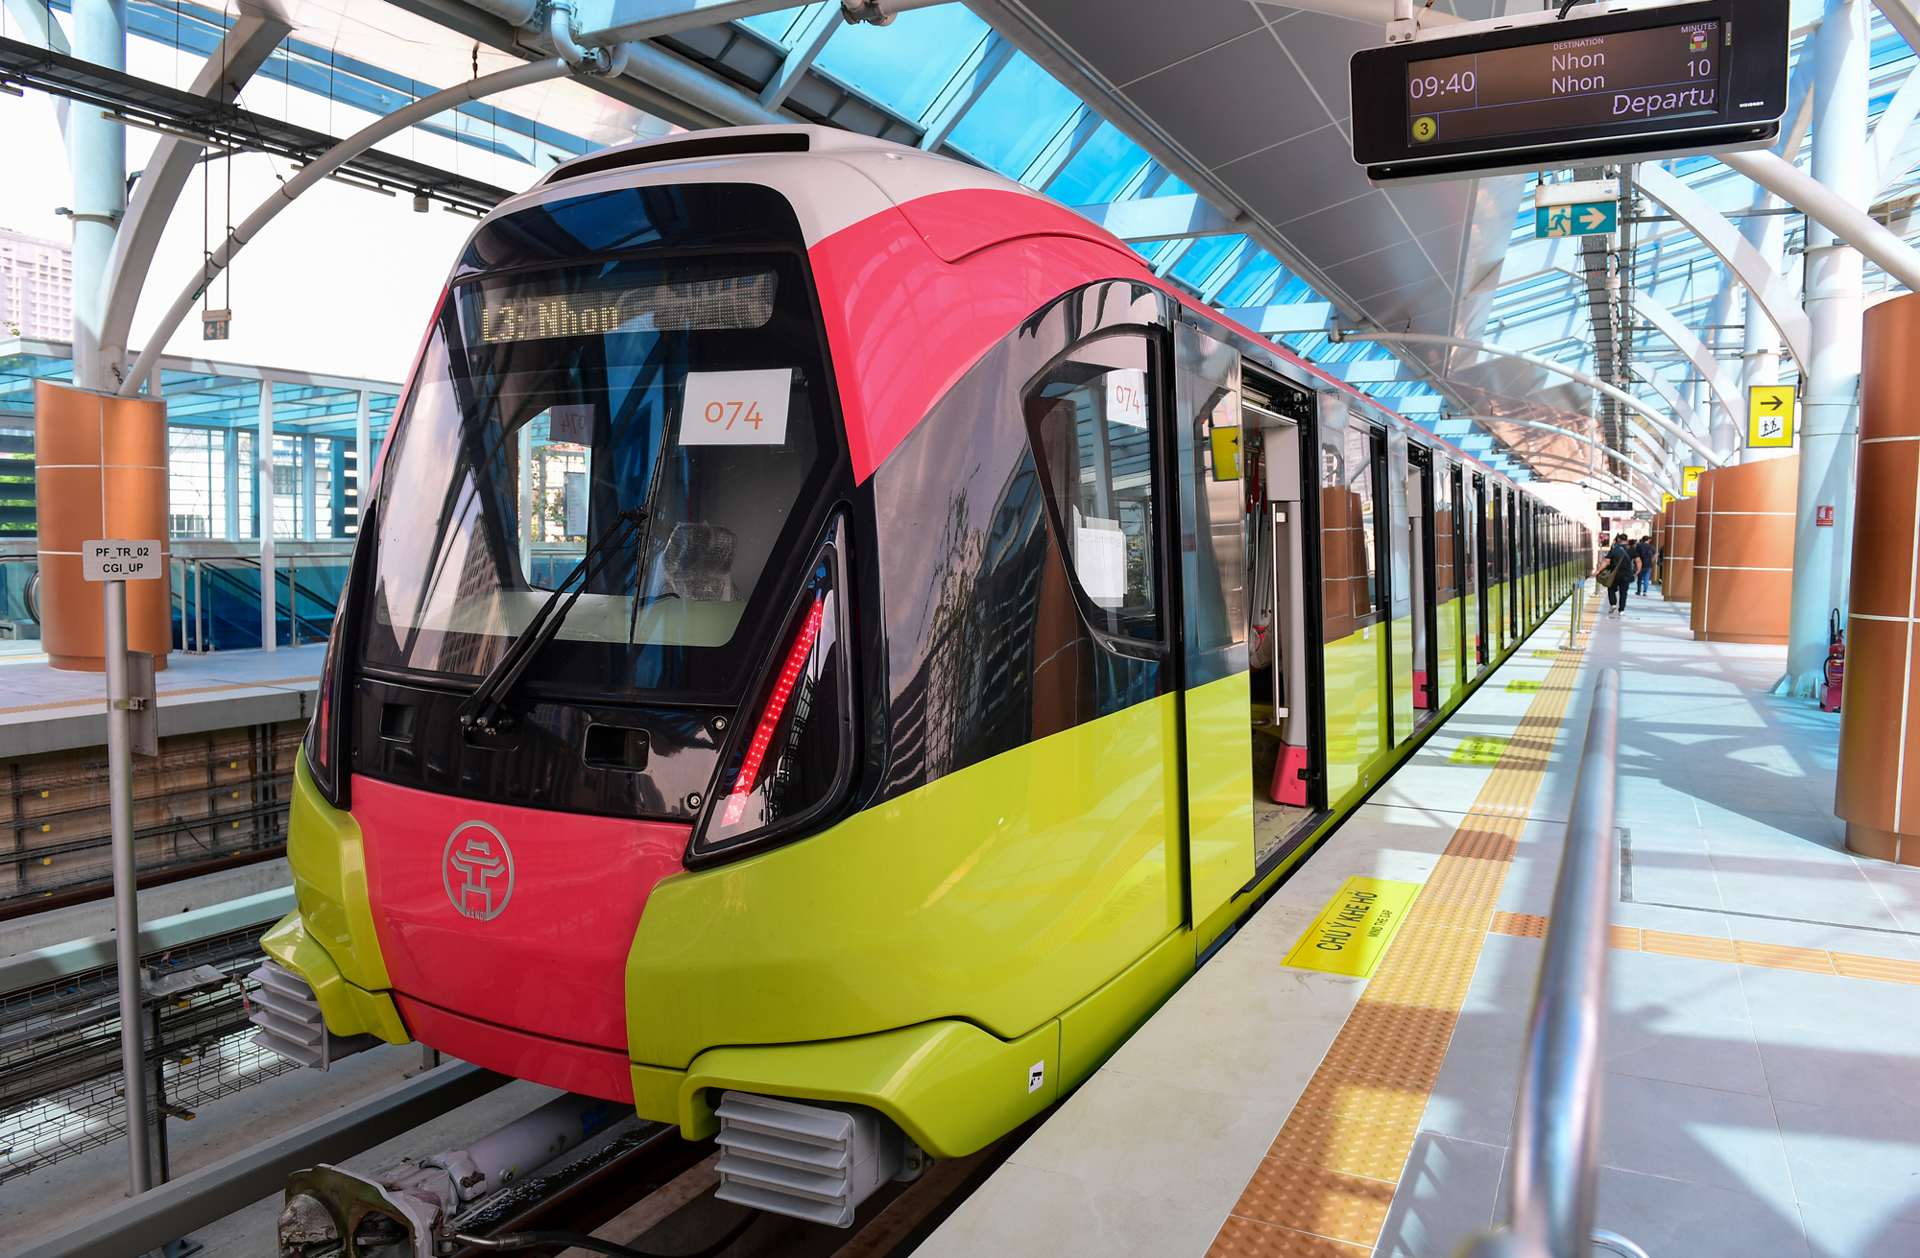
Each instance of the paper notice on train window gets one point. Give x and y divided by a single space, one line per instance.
1127 397
570 424
736 408
1100 552
1353 931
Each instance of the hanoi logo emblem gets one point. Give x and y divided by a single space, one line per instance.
477 870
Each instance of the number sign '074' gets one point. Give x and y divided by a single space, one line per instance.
736 408
117 559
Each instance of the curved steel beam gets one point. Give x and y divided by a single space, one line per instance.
1725 391
1769 288
313 172
1656 478
1658 420
1624 486
246 47
1832 211
1671 396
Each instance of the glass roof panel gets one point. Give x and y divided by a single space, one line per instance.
904 65
1246 287
776 26
1198 262
1015 117
1100 169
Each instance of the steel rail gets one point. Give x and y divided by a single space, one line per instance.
1556 1126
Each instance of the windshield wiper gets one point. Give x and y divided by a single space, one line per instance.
482 708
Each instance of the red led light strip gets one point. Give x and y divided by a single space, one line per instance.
777 704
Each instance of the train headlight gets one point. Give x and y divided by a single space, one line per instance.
790 762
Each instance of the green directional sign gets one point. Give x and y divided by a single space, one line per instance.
1590 219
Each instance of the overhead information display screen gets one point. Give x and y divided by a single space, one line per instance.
1530 95
1669 71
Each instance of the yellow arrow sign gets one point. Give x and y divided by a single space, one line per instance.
1770 415
1690 481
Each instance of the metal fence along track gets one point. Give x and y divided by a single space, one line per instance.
60 1050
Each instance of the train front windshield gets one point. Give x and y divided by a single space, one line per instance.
550 403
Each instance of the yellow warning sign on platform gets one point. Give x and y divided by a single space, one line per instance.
1353 931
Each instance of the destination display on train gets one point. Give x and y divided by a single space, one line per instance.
1630 77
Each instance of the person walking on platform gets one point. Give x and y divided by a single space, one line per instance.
1618 574
1644 553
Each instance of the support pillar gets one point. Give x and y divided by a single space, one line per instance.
263 508
1833 376
101 463
1877 790
1760 347
1676 584
97 158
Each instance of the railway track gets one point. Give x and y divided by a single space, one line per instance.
650 1192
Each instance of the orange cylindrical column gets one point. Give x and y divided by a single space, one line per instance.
1660 547
100 471
1678 586
1743 552
1878 788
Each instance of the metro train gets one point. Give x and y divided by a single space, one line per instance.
831 630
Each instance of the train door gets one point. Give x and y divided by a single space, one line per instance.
1406 655
1289 790
1421 567
1443 488
1483 619
1215 687
1499 587
1514 580
1350 633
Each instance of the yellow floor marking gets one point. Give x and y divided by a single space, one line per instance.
1733 951
1521 686
1353 931
1324 1187
1478 750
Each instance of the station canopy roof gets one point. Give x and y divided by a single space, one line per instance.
1211 134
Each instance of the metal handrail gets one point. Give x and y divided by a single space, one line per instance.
1556 1125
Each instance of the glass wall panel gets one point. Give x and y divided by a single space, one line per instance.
196 483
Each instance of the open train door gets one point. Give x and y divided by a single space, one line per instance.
1244 554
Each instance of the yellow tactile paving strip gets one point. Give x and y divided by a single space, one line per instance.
1732 951
1324 1187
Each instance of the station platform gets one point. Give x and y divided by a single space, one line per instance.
47 709
1762 1049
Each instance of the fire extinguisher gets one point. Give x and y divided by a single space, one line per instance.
1836 664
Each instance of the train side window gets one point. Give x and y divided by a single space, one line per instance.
1090 418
